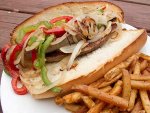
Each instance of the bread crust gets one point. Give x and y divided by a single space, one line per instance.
97 74
63 6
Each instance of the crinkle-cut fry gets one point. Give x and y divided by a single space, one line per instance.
106 89
138 106
72 107
143 65
97 108
106 97
140 78
143 85
106 83
126 84
88 101
97 83
132 99
146 73
117 69
72 97
144 56
59 100
145 100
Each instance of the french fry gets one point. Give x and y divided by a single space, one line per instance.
72 97
59 101
132 99
143 85
134 92
140 78
123 112
112 74
137 107
146 73
137 69
117 88
126 85
72 107
141 111
145 100
103 98
115 91
115 110
146 57
97 108
106 83
106 89
132 65
106 111
83 109
88 101
115 100
148 69
99 105
117 69
97 83
144 64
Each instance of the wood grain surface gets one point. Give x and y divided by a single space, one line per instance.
13 12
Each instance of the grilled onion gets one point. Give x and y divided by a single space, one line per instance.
102 34
60 39
75 53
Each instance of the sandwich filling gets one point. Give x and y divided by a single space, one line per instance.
46 51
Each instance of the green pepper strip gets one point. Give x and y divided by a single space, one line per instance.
59 23
30 28
32 40
56 89
42 51
44 47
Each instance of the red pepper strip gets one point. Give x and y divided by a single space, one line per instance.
67 18
19 91
4 51
13 74
103 8
3 56
34 55
56 31
18 48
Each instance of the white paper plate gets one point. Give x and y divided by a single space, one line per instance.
12 103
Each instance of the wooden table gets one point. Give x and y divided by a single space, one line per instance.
13 12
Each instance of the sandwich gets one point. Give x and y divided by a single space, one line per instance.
68 44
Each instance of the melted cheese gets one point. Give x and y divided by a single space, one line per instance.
92 61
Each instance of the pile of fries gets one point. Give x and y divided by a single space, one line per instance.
123 89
